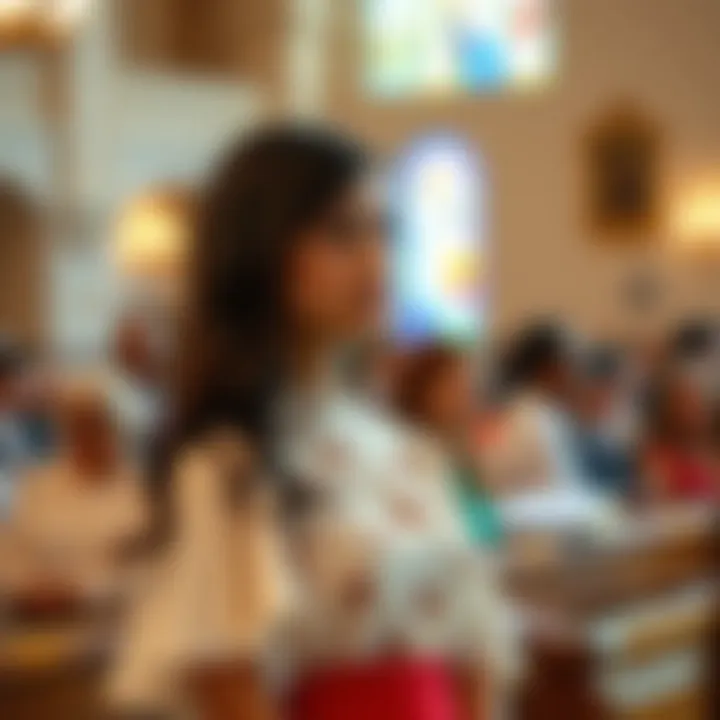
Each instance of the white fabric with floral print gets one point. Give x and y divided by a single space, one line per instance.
379 564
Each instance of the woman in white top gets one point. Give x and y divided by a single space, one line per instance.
537 449
309 564
78 514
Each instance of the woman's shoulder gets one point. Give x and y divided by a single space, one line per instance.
212 462
221 448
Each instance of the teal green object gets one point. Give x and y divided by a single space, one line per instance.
480 515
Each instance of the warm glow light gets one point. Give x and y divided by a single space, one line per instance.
695 222
153 233
38 20
18 10
69 12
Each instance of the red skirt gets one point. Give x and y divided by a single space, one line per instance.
384 689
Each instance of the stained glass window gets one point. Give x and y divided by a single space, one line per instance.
441 47
438 259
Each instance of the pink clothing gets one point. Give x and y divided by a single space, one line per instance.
383 689
688 477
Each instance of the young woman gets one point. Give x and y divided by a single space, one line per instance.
361 592
436 394
605 423
536 451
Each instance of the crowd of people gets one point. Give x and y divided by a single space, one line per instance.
384 502
560 415
636 426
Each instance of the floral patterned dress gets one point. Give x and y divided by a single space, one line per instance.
379 565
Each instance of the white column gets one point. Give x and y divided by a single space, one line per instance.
83 283
307 57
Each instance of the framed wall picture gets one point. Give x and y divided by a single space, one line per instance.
623 176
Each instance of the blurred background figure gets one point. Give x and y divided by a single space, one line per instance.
15 449
537 448
680 462
435 392
605 422
136 382
38 399
77 513
695 345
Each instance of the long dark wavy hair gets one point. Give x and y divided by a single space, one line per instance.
269 188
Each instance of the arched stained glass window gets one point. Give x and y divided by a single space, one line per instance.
438 260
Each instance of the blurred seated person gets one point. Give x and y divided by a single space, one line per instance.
135 384
37 397
605 423
435 392
536 449
695 344
14 450
78 514
679 460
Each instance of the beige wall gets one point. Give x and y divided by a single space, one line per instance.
663 54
